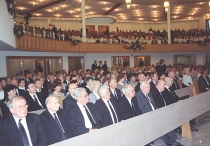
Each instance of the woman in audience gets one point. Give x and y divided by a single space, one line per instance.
93 96
187 78
56 88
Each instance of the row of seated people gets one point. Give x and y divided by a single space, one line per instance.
121 36
98 102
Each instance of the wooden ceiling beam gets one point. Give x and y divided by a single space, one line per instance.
112 9
43 6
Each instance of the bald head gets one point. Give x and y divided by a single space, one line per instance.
52 104
160 85
168 81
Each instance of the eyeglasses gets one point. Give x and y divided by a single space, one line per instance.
21 106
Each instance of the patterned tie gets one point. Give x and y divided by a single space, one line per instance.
115 94
113 113
37 103
59 126
133 108
23 134
90 116
153 107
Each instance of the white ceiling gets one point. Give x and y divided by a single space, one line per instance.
141 10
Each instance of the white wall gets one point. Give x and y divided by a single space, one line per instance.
6 25
89 58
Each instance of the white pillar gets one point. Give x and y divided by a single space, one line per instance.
169 24
83 21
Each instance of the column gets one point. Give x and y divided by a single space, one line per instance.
83 21
169 24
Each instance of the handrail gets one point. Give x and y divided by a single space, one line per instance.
32 43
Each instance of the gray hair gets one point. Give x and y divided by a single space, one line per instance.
77 92
125 88
101 89
170 73
143 83
48 100
159 82
167 79
93 84
10 102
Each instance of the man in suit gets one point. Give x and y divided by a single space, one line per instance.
106 108
104 66
204 82
114 92
161 68
28 79
21 88
175 85
83 117
54 121
69 101
157 94
154 78
127 102
51 80
146 104
67 79
169 95
94 65
21 128
100 65
141 78
34 101
42 92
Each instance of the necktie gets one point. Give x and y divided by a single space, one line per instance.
90 116
153 107
163 98
59 126
115 94
37 103
23 134
133 108
206 81
171 92
113 113
0 113
175 84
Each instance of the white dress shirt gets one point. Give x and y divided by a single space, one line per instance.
107 105
87 120
23 122
1 94
187 79
129 100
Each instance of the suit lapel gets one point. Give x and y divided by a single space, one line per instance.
32 129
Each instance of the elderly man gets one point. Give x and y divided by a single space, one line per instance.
146 104
83 117
69 101
126 103
141 78
175 85
54 121
114 92
106 107
21 128
204 82
154 78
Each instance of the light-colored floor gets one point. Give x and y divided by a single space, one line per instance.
199 138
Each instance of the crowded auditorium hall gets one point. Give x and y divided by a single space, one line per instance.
104 73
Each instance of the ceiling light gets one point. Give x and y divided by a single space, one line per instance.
196 9
154 6
166 10
209 3
128 6
166 4
104 3
41 0
175 16
201 3
128 2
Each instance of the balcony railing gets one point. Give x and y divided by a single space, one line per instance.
32 43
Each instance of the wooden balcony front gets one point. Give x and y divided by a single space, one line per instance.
32 43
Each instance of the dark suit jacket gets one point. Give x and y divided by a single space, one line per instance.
103 112
51 128
93 67
137 88
77 122
104 66
45 91
100 67
22 92
143 102
152 85
202 84
118 94
4 108
9 134
68 103
174 87
159 100
125 109
169 98
31 103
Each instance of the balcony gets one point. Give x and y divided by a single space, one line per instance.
32 43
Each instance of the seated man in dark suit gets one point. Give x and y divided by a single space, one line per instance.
106 108
141 78
29 130
126 103
146 104
54 121
40 91
21 88
69 101
34 101
83 117
115 93
157 94
175 85
204 82
154 78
